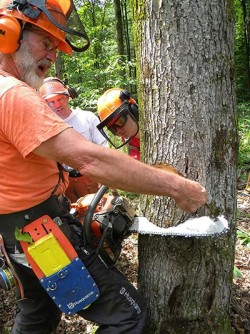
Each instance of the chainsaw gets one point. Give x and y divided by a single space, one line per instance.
108 219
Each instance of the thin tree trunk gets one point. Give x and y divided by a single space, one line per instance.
246 42
119 32
119 27
59 66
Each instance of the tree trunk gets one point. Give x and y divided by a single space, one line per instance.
188 119
119 27
119 32
246 41
59 66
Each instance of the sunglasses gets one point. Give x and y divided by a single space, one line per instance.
118 123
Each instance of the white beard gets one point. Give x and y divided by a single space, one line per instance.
27 66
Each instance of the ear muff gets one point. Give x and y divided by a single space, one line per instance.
134 110
10 34
124 95
72 92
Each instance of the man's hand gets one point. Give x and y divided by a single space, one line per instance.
191 196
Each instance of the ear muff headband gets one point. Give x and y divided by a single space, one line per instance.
72 92
11 33
133 107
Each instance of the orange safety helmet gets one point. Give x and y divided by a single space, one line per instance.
114 103
49 15
53 86
111 100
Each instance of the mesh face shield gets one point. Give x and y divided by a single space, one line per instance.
80 41
39 12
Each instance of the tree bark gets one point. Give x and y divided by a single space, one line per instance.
188 119
119 27
119 32
59 66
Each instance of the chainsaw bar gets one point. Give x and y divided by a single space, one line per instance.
193 227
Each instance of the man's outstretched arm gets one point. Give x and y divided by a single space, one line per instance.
117 170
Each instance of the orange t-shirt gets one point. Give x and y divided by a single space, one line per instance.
25 122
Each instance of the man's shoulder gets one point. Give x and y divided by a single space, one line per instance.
8 82
6 77
87 114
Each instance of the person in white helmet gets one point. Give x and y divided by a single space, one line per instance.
33 139
57 94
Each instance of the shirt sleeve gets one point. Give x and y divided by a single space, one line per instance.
97 137
26 119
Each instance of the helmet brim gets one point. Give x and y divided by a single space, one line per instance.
64 47
49 96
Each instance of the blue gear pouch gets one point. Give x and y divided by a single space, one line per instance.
71 288
57 265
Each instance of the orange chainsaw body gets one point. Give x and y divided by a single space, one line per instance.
82 205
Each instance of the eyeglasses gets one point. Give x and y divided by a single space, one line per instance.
49 45
46 41
119 122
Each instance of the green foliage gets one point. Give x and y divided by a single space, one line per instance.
129 196
245 241
237 273
22 236
244 137
100 67
244 238
242 214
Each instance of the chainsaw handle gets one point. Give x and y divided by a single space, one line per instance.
90 212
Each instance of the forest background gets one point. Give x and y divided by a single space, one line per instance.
111 62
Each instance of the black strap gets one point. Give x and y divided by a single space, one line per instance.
52 207
76 193
60 177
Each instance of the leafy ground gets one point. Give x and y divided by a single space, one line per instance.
240 305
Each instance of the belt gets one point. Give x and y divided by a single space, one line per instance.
52 207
